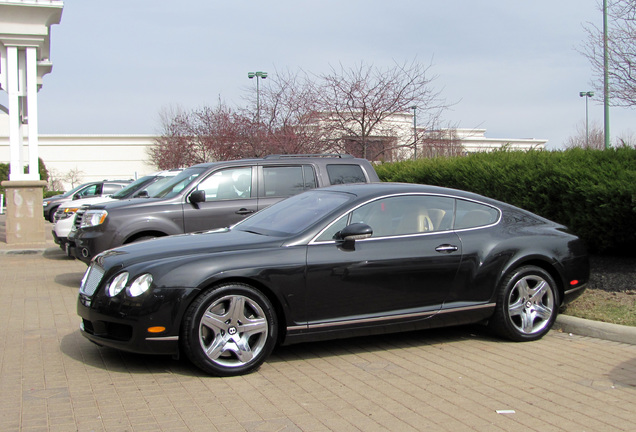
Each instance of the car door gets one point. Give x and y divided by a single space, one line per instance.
407 267
230 196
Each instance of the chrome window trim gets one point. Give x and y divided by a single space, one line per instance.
499 211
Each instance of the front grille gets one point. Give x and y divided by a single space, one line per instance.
91 280
77 223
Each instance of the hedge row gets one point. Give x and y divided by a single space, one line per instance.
593 192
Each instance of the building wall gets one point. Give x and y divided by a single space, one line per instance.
91 157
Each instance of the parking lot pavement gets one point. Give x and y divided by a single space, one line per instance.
52 379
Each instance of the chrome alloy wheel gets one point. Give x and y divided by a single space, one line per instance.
531 304
233 331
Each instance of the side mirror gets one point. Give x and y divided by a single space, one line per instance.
355 231
197 197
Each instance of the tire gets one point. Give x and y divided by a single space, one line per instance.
229 330
527 304
51 217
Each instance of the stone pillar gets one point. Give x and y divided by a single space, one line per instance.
25 222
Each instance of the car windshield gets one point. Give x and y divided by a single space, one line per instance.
295 214
132 187
178 182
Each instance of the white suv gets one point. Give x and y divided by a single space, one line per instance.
142 187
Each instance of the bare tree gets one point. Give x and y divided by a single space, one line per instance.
74 177
592 139
358 104
621 43
439 142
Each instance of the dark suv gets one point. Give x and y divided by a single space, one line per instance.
211 195
86 190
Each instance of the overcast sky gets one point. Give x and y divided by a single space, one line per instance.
510 66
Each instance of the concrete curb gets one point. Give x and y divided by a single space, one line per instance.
596 329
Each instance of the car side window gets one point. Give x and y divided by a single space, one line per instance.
343 173
469 214
285 181
111 188
401 215
89 191
231 183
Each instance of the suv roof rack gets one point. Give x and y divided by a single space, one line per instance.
325 155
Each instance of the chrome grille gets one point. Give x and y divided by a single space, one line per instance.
78 217
91 279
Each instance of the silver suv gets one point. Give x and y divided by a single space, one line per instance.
211 195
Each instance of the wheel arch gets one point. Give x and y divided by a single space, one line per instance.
150 233
544 263
265 290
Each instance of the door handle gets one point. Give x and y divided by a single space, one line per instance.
244 211
446 248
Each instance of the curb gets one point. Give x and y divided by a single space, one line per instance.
595 329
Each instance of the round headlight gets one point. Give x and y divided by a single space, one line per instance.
118 284
140 285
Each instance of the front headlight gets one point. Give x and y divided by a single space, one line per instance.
117 284
93 218
140 285
65 213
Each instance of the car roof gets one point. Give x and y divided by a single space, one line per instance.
370 190
273 159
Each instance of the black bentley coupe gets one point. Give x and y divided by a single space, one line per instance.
342 261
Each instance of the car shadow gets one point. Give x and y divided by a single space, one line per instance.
75 346
55 253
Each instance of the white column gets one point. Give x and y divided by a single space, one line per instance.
15 138
32 111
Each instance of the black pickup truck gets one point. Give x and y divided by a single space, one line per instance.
211 195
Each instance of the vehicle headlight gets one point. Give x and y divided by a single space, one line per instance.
140 285
65 213
94 218
117 284
45 203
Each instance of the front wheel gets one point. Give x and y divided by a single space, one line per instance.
527 304
229 330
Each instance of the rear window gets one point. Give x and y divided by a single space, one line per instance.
341 174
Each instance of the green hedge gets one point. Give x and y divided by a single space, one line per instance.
593 192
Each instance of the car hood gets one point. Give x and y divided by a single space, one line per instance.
86 201
186 245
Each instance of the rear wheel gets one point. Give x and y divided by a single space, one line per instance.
229 330
527 304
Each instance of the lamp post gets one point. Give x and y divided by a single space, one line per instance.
258 75
414 108
587 95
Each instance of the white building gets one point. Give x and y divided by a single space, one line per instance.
97 157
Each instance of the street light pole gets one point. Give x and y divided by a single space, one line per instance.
258 75
414 108
587 95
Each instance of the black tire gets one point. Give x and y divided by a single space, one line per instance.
229 330
527 304
52 214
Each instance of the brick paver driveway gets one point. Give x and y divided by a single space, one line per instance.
458 379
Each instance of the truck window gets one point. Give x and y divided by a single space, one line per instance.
341 174
285 181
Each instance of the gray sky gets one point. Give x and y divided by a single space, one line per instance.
510 66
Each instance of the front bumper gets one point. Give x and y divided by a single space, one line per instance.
124 323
